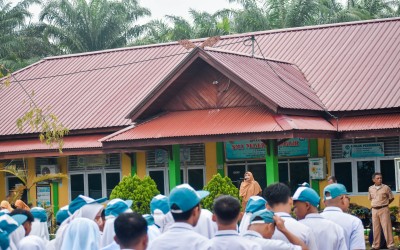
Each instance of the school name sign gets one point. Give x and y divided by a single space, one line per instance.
358 150
255 149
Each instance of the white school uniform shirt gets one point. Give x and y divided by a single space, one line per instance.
206 226
328 235
352 226
180 236
32 242
267 244
230 239
40 229
300 230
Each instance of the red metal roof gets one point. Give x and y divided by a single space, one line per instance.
281 82
34 144
217 122
349 66
368 122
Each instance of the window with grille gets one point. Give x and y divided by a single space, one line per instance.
196 156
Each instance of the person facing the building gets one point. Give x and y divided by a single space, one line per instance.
381 196
255 203
19 204
331 179
184 203
249 187
39 225
226 213
337 203
262 227
328 235
280 202
131 231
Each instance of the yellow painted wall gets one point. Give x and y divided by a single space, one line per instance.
362 200
31 166
63 186
3 184
211 160
126 165
141 164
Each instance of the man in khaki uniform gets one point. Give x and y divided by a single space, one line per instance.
381 196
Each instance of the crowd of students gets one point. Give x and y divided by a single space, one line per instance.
179 222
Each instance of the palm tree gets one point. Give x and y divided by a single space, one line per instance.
79 26
28 180
20 43
176 28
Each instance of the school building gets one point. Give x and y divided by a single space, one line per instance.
292 105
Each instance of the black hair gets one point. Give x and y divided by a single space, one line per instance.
226 208
24 212
375 174
129 228
277 193
178 217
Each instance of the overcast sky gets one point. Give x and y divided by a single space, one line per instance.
160 8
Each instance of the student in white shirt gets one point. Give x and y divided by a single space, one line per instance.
131 231
255 203
39 225
226 213
262 227
337 203
114 208
280 202
184 203
328 235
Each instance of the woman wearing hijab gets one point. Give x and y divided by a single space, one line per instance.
39 225
248 188
255 203
6 205
21 205
32 242
82 233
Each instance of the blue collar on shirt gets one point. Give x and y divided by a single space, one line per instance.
333 209
181 225
313 216
283 214
221 233
253 233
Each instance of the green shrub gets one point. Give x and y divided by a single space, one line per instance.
140 191
218 186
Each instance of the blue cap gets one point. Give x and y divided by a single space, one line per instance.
4 240
185 197
20 218
117 206
159 202
304 184
335 190
39 213
255 204
306 194
266 216
62 214
149 219
9 223
81 201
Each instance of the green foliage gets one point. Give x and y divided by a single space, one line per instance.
217 186
140 191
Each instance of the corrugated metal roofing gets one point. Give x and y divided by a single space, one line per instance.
217 122
350 66
281 82
70 142
368 122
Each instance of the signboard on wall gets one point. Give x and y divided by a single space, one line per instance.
255 149
357 150
161 155
93 160
43 195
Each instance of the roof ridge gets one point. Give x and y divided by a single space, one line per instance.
226 37
247 55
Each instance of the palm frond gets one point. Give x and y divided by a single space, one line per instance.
16 193
47 177
13 170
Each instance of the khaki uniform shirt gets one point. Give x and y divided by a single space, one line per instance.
380 195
